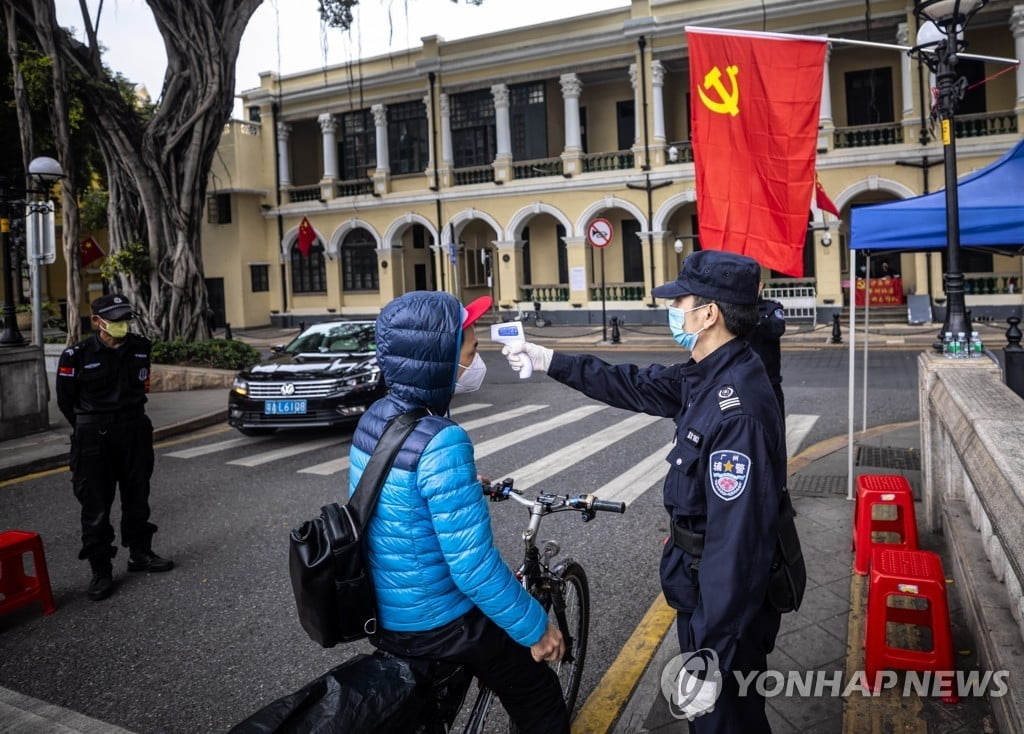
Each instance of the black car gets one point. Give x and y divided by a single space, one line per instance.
327 376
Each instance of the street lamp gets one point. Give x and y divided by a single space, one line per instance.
939 40
43 172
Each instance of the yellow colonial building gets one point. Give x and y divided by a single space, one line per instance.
476 166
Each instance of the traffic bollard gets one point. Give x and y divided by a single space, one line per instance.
616 337
837 334
227 331
1013 354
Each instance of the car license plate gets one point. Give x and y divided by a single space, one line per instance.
284 407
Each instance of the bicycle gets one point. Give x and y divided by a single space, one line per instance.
523 316
381 691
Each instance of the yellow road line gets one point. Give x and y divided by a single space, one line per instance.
612 693
37 475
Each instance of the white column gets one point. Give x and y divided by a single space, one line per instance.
446 132
328 126
571 89
826 91
634 81
380 123
502 125
903 39
430 133
658 99
283 131
1017 26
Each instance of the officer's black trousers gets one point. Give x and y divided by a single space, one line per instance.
528 690
103 458
735 714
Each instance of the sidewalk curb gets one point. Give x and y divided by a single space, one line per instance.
58 461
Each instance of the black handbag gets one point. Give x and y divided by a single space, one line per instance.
327 559
788 577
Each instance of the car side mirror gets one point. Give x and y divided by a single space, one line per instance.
277 348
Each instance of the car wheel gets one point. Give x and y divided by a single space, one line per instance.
255 431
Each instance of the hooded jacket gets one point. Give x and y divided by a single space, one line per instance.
429 543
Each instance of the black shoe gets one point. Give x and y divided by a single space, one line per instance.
101 586
148 561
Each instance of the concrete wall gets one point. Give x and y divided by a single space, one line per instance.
973 483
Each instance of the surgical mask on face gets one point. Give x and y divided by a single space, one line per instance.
472 376
116 329
677 325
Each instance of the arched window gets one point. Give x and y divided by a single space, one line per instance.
359 262
308 273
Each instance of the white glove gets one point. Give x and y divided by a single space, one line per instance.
696 697
521 354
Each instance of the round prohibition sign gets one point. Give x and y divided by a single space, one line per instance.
599 232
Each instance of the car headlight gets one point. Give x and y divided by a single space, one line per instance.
240 386
370 377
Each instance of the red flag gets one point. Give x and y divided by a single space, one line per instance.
821 198
307 236
754 127
89 251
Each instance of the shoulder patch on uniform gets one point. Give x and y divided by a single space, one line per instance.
727 398
729 472
66 371
69 351
780 314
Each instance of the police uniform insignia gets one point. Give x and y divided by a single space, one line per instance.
66 371
729 471
694 437
780 314
69 351
727 398
143 374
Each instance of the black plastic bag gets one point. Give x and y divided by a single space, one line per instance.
369 693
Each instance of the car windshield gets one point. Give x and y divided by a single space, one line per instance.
329 338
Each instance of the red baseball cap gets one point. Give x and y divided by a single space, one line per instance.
472 311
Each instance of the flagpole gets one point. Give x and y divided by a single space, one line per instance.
830 39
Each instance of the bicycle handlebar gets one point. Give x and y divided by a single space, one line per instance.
586 503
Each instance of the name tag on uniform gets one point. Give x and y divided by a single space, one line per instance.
693 438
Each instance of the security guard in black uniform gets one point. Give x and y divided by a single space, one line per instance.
764 340
725 483
101 389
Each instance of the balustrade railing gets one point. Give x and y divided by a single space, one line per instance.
617 160
537 168
474 175
618 292
986 123
862 136
303 193
545 293
353 188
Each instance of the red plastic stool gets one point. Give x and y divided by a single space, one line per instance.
16 588
912 575
882 490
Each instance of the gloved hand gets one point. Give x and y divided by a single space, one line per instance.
696 697
519 352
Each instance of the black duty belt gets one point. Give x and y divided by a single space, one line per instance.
689 540
120 416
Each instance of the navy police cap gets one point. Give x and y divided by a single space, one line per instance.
113 307
719 276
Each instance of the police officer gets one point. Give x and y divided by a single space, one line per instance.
101 389
725 479
764 340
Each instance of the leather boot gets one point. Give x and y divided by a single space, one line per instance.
102 584
147 560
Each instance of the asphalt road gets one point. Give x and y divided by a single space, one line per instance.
200 648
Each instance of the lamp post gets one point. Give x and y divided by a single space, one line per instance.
44 172
939 40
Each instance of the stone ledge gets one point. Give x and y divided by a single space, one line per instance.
174 378
988 614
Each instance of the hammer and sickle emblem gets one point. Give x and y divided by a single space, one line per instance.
729 103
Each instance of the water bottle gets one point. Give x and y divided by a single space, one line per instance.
961 346
976 346
948 346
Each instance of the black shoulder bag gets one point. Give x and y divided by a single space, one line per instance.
327 559
788 574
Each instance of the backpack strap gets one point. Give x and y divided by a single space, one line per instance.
367 491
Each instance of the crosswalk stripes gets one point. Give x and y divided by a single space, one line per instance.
555 461
212 448
797 428
285 452
635 481
486 448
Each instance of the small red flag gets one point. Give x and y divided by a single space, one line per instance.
307 236
821 199
756 99
89 251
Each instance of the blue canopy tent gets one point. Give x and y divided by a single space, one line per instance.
991 213
991 207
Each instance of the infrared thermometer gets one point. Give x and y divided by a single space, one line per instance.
511 332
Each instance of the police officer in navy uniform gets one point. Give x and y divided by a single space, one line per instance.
764 340
102 383
726 476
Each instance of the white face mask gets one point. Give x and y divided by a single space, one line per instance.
472 376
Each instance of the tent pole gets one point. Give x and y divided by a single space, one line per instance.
850 382
867 316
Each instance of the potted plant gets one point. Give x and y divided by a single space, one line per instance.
23 312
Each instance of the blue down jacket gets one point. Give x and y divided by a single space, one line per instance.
430 547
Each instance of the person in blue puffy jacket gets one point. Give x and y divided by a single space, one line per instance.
443 590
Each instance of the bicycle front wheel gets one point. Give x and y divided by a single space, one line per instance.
575 593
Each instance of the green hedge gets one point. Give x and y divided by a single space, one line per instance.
224 354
